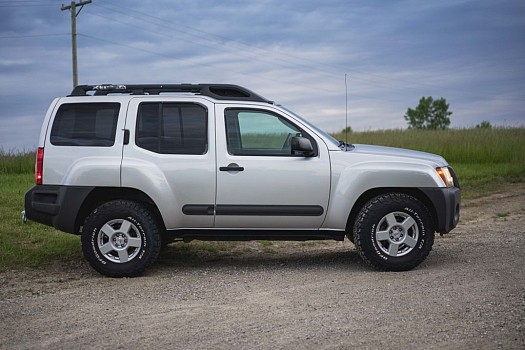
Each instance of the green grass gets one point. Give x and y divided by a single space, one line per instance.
484 159
30 244
17 162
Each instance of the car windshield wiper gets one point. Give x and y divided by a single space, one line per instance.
345 146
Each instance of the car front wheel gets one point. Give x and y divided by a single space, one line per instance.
393 232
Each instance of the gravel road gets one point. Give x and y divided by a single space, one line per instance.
468 294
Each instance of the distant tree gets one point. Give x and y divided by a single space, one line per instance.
429 114
348 129
484 125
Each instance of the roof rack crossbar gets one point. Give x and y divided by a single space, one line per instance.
216 91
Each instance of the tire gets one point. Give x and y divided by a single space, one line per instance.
121 238
394 232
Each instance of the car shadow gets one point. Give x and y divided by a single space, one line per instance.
179 256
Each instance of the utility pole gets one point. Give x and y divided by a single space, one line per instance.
73 9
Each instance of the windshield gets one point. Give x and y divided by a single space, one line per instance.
314 127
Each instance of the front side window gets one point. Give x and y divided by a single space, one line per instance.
85 124
254 133
172 128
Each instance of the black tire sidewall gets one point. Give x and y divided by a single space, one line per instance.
146 226
366 226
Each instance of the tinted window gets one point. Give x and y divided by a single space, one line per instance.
172 128
85 124
252 132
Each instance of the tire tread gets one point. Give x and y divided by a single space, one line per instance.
147 219
390 199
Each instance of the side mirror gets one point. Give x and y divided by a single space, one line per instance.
302 146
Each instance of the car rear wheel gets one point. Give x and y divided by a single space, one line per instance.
121 238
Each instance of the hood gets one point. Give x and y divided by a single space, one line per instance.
397 152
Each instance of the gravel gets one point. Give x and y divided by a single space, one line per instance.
468 294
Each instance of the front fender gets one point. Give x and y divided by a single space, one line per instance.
349 182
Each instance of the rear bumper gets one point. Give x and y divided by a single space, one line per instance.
446 202
45 204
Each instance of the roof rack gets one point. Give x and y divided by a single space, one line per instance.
216 91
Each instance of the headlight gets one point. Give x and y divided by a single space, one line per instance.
445 175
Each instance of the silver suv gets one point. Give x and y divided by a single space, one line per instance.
129 167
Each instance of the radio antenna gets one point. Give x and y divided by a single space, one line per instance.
346 111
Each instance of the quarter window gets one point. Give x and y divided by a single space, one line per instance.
172 128
85 124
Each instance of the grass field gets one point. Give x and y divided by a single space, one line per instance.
484 159
28 244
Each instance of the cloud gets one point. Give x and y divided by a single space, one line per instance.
293 52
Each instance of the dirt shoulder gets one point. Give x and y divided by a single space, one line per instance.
468 294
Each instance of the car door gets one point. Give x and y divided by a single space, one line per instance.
170 156
260 183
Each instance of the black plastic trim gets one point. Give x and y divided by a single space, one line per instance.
446 202
231 168
198 209
255 235
253 210
270 210
56 206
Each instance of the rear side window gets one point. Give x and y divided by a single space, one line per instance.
85 124
172 128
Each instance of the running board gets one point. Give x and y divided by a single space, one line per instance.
188 235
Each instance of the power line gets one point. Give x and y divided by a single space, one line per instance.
193 63
26 5
258 53
371 79
374 79
26 1
178 59
217 43
219 47
31 36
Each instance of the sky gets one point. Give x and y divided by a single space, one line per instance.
296 53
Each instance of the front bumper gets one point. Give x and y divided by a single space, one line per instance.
446 202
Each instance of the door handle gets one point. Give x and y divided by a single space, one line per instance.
231 167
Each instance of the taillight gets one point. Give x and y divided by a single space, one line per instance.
39 166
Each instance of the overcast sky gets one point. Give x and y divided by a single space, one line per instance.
471 52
